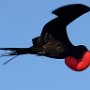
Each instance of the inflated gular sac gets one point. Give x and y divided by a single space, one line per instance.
78 64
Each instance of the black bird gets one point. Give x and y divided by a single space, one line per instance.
53 41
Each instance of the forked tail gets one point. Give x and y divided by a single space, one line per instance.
16 52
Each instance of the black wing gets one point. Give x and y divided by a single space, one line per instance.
71 12
56 28
66 15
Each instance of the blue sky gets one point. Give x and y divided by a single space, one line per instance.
22 20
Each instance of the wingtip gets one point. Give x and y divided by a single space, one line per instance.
71 8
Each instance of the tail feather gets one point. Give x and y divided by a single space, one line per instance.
16 52
9 60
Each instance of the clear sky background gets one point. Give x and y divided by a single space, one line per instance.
22 20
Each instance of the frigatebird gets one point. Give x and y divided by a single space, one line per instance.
53 41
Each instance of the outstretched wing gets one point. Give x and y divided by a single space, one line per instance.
57 27
66 15
71 12
54 34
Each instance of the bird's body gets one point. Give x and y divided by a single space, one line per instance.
53 41
56 45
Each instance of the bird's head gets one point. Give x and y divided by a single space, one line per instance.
78 51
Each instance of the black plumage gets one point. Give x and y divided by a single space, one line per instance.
53 41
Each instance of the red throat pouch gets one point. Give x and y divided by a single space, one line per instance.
78 64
